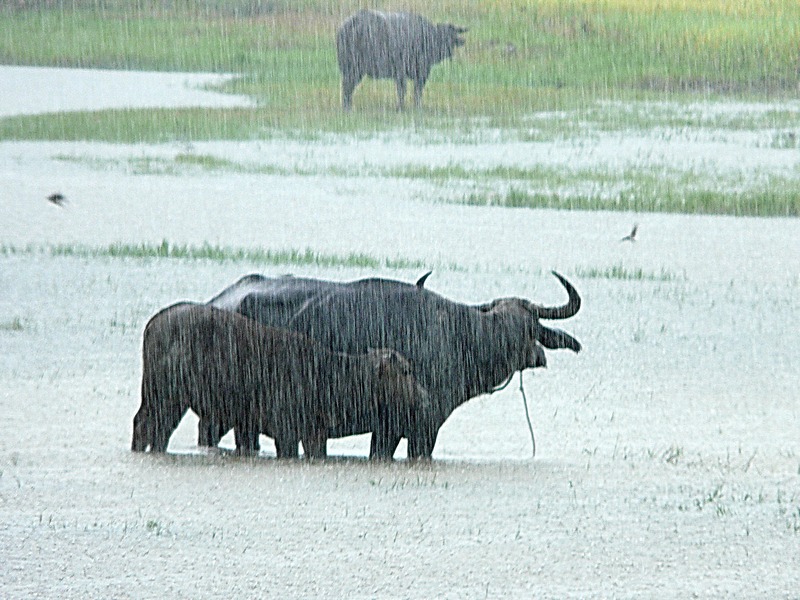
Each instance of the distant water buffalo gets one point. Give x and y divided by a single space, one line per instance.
458 351
234 372
395 46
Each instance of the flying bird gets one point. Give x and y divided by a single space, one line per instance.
631 237
57 199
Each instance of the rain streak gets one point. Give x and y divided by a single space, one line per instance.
315 299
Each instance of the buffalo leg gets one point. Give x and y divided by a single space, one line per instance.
349 83
219 432
420 445
205 432
383 445
286 446
210 431
246 440
401 92
165 425
144 423
315 444
419 84
141 434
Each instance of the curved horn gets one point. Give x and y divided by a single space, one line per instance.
554 339
421 281
572 306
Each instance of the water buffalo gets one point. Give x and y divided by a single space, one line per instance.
235 372
395 46
458 351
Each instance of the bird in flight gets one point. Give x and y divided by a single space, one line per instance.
631 237
57 199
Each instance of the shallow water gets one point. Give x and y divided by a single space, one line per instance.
36 90
667 459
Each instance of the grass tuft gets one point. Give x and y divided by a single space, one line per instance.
623 273
14 324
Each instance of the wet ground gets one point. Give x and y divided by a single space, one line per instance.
668 461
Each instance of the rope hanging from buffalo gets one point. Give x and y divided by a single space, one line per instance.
503 386
527 416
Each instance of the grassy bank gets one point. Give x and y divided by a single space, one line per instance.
521 57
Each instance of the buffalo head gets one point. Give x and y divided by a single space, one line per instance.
447 38
531 313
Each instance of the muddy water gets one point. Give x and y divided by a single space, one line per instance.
668 461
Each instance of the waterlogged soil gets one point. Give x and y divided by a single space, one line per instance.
667 463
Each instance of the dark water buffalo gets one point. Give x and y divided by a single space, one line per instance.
395 46
458 351
235 372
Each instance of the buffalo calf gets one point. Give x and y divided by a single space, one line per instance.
234 372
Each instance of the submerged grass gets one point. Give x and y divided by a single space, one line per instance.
641 189
165 249
14 324
180 164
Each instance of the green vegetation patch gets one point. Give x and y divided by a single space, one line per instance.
769 202
648 188
165 249
180 164
624 273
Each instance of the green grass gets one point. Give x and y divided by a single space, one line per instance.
204 161
623 273
165 249
180 164
521 57
770 202
641 189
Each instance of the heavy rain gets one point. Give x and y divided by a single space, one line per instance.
290 290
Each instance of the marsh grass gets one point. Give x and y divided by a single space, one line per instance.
624 273
772 201
209 252
641 189
180 164
204 161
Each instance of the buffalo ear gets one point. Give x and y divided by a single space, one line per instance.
383 359
389 356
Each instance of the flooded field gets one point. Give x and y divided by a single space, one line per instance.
668 461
